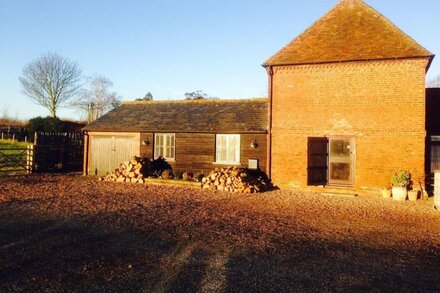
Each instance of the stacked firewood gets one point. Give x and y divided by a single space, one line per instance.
133 171
239 180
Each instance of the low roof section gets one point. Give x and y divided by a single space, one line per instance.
199 116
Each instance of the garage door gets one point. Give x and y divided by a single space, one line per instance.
107 152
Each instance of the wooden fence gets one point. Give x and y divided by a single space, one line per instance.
58 158
51 152
58 152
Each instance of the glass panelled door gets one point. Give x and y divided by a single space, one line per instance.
342 154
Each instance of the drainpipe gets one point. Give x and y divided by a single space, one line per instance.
437 189
86 154
269 70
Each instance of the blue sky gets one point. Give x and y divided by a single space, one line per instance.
172 47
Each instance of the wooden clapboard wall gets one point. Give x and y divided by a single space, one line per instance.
196 151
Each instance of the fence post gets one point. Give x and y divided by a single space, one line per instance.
30 159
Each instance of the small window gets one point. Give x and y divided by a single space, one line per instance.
227 149
164 145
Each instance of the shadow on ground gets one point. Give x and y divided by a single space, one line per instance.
56 254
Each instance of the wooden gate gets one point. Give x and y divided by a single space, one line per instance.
16 160
107 152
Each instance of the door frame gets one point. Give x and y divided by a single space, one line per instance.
353 146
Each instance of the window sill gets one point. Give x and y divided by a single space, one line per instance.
168 160
226 164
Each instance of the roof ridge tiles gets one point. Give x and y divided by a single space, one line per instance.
203 101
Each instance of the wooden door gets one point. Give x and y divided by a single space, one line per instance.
341 163
434 159
317 161
107 152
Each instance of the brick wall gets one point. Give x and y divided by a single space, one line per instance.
380 103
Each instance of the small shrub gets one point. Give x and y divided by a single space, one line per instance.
157 166
188 176
401 179
199 176
166 174
178 174
47 124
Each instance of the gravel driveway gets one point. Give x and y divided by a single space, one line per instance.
61 232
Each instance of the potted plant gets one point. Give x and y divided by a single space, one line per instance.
386 192
400 182
413 195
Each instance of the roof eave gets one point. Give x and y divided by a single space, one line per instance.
430 62
347 61
262 131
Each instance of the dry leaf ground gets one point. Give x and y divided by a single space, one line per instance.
73 233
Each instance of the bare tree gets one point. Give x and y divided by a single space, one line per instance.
96 99
433 82
51 81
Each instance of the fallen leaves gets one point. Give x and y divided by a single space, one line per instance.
105 231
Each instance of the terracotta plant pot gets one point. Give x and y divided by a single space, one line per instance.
386 193
413 195
399 193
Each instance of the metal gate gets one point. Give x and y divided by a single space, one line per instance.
107 152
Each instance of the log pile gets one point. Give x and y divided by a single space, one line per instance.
134 171
238 180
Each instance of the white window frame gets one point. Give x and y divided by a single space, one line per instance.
165 136
228 146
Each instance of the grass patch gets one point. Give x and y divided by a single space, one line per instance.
13 157
178 182
10 144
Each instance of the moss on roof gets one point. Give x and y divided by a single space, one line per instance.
350 31
227 116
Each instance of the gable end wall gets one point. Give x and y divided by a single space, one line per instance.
381 103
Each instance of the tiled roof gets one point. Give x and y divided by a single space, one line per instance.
227 116
350 31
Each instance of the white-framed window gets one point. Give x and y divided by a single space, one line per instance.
227 150
165 145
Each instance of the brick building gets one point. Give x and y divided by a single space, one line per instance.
347 102
347 107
